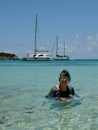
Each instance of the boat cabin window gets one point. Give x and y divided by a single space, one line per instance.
40 55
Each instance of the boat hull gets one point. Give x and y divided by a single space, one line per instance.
37 59
62 58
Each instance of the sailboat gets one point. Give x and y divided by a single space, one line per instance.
60 57
39 55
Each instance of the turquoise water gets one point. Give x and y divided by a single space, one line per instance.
23 86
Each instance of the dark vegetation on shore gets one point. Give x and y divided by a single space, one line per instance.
8 56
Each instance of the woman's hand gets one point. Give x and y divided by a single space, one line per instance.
65 99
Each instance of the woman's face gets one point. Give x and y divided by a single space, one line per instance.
64 79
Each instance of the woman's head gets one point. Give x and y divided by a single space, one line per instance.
65 74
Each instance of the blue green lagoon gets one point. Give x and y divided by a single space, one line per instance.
24 85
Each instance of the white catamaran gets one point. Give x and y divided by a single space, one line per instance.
39 55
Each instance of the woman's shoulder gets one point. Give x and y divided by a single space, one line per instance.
55 87
71 89
53 91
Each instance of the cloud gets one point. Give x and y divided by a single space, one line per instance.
8 51
90 38
83 45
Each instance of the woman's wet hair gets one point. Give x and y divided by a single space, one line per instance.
65 73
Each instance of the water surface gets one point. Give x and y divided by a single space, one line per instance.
24 85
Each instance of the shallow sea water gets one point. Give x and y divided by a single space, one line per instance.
24 85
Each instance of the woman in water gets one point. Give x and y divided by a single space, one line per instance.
62 90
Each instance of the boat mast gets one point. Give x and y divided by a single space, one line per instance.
56 46
64 48
35 36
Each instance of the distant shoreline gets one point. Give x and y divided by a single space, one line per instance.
8 56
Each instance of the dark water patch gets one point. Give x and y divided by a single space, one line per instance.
76 62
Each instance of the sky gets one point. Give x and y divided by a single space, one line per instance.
75 22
